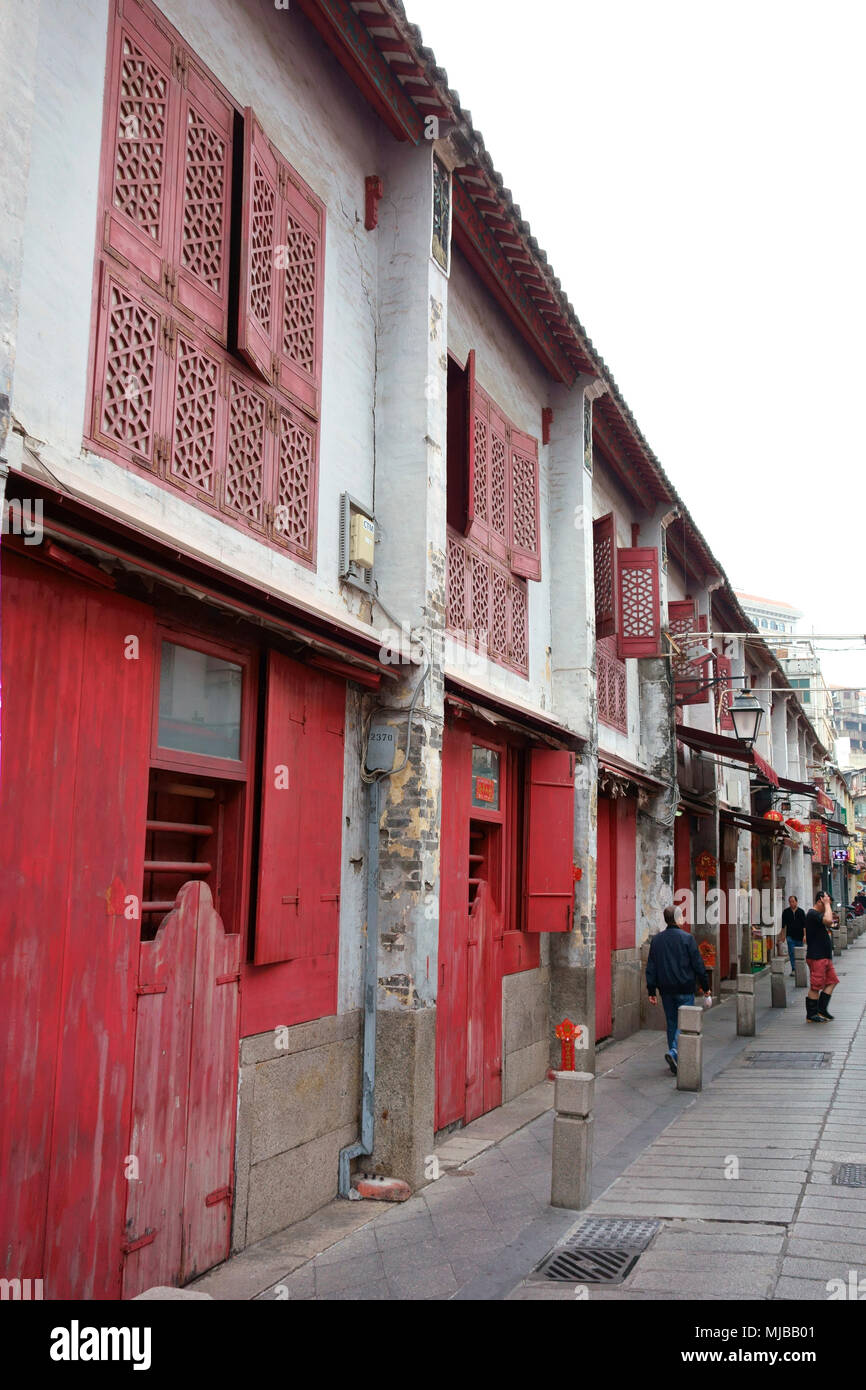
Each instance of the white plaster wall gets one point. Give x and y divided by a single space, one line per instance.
270 59
511 375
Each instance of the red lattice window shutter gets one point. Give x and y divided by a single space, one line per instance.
724 692
549 841
297 471
469 425
139 156
300 271
478 506
201 284
257 302
457 586
638 616
498 530
129 368
689 671
612 685
197 397
525 507
604 565
300 838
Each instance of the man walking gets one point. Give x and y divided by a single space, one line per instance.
819 958
673 965
793 928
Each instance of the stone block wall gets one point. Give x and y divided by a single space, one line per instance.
525 1030
298 1106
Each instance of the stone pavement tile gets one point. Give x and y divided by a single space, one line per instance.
247 1274
376 1290
704 1212
719 1241
531 1293
446 1221
832 1237
361 1243
699 1194
321 1230
728 1283
427 1252
395 1213
345 1274
826 1267
471 1245
801 1290
832 1207
709 1262
425 1282
404 1233
298 1286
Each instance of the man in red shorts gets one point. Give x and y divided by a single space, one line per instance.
819 958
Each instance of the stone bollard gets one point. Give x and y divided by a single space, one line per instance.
849 934
837 941
778 988
745 1006
801 974
571 1172
690 1048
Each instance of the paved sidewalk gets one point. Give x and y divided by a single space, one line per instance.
779 1230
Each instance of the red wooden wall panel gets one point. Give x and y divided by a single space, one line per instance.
42 625
624 822
683 862
75 738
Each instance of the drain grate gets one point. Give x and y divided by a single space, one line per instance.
589 1266
800 1061
605 1232
849 1175
603 1250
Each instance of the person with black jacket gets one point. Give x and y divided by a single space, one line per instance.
673 966
793 928
819 958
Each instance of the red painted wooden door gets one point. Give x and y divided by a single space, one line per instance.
73 800
683 865
604 917
469 1003
178 1216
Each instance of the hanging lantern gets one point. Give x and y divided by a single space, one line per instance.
795 824
773 815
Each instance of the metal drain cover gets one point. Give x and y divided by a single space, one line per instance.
801 1061
588 1266
849 1175
605 1232
603 1250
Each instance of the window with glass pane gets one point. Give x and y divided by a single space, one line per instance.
199 703
485 778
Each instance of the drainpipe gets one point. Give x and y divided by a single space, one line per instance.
371 946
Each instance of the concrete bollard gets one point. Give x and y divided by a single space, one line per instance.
778 988
801 974
745 1006
849 933
690 1048
837 941
571 1171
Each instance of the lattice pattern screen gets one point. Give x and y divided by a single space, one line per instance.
238 438
612 685
604 566
487 605
524 501
140 153
204 202
638 626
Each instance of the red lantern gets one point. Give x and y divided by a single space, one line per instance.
773 815
797 824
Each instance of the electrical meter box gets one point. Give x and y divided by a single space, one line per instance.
362 540
381 745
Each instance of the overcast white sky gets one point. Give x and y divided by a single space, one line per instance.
694 171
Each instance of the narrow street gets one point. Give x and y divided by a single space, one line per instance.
781 1229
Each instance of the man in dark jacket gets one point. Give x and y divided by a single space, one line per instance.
793 928
673 966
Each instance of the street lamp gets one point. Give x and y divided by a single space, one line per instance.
746 716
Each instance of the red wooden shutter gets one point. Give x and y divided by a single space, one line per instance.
549 841
128 374
469 422
257 304
300 838
204 192
724 692
499 529
689 672
297 330
604 564
478 503
639 619
525 538
197 419
139 155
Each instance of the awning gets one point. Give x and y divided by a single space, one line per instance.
468 701
756 824
801 788
722 746
693 806
619 767
837 825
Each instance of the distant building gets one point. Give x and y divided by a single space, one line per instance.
849 706
769 615
777 623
